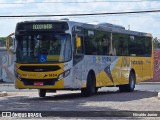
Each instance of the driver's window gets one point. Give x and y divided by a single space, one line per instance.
79 45
78 48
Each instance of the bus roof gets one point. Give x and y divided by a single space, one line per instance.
102 26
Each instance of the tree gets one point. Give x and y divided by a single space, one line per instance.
2 41
156 42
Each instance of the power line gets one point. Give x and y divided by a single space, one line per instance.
74 11
73 2
87 14
121 15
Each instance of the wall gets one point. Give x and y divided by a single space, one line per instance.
6 66
156 66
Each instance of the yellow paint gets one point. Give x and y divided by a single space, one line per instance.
78 41
39 76
55 58
83 86
143 67
58 85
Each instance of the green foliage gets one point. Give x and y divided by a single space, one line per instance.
156 42
2 41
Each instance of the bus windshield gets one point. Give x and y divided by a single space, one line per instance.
43 48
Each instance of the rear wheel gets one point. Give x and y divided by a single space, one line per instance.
42 92
91 86
129 87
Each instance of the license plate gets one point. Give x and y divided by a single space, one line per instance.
38 83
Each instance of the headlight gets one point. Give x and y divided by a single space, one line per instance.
64 74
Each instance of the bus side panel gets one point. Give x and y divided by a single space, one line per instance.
68 80
121 71
79 76
137 66
147 68
90 64
109 70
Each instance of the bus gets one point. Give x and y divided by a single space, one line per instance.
55 55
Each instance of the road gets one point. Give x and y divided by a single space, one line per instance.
144 98
147 87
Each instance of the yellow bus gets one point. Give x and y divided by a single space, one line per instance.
67 55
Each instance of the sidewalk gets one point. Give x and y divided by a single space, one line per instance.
149 83
3 83
2 94
6 84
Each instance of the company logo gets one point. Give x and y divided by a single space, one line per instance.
6 114
99 59
137 62
21 115
125 62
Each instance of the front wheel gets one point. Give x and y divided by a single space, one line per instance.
42 92
129 87
91 86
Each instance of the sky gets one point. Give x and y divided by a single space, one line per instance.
146 22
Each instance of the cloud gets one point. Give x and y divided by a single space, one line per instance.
138 22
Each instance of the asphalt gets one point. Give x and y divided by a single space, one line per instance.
145 86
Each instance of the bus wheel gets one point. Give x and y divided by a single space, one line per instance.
129 87
42 92
91 86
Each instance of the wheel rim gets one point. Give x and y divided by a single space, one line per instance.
132 82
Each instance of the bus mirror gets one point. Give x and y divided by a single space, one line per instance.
10 43
78 42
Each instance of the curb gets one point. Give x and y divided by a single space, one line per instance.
2 94
149 83
6 84
159 95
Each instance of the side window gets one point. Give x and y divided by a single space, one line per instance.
140 46
132 45
79 49
78 45
103 42
148 46
90 43
120 44
97 42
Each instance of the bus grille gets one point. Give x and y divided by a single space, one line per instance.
45 82
39 68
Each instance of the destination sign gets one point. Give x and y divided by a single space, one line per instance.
42 26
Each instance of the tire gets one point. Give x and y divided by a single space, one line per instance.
96 89
129 87
42 93
91 86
